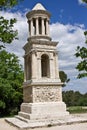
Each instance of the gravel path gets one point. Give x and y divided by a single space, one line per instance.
5 126
82 126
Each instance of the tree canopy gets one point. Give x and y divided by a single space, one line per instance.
82 65
11 79
84 1
8 3
74 98
11 73
63 77
81 52
7 33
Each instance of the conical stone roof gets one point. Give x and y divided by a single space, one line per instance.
38 6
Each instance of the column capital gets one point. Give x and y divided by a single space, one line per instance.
36 17
55 53
43 18
34 52
30 19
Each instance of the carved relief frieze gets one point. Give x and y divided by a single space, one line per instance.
47 94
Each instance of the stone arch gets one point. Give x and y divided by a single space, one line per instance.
44 53
45 65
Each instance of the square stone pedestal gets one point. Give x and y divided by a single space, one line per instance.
42 103
46 110
42 106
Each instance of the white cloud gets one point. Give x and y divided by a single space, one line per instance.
22 27
69 37
80 2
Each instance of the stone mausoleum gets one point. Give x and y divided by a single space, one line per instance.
42 87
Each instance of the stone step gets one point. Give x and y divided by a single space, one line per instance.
30 124
18 123
23 123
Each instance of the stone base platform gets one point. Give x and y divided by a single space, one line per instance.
23 123
39 114
44 110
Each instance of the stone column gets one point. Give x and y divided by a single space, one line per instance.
43 30
52 66
37 29
39 68
34 65
27 68
56 66
47 27
24 69
31 27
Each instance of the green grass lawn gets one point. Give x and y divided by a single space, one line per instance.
77 109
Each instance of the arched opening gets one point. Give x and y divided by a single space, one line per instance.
45 67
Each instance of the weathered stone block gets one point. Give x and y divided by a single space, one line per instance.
44 110
44 93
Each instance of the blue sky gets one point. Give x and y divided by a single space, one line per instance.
67 25
65 11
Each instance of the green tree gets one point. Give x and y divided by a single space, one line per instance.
68 97
72 98
63 77
82 65
11 79
84 1
82 53
4 4
7 33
